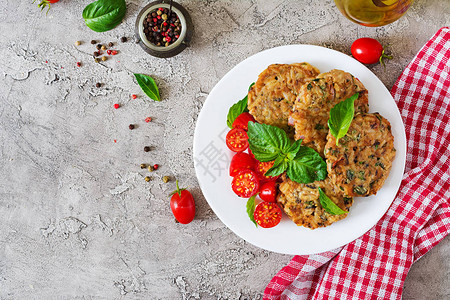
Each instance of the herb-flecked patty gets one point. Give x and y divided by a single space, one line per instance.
362 161
271 98
302 205
312 107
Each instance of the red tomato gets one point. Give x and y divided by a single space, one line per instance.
261 169
245 184
242 121
241 161
182 205
237 140
268 191
267 215
368 51
45 3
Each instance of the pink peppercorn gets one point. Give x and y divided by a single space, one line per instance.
148 119
114 52
155 167
78 64
134 96
116 106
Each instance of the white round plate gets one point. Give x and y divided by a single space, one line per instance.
212 157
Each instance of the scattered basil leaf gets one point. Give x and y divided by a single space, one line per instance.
329 206
279 166
237 109
267 142
341 116
148 86
251 209
104 15
308 166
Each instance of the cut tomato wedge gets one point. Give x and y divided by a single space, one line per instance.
267 214
245 184
237 140
262 167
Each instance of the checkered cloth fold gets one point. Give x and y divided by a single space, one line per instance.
375 265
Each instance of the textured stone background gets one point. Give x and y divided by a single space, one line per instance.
77 219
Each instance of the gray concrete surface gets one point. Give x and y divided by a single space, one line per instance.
77 219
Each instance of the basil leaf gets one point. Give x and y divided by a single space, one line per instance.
148 85
292 151
104 15
237 109
251 209
341 116
279 166
266 141
329 205
308 166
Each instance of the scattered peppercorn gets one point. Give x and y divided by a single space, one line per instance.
116 106
109 52
148 119
97 60
97 53
78 64
114 52
131 126
147 149
123 39
110 44
134 96
77 43
103 47
93 42
143 166
104 58
150 168
147 178
99 46
98 84
166 179
156 166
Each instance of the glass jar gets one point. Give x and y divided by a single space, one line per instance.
373 12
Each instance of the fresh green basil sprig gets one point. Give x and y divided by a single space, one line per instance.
341 116
237 109
302 164
251 209
329 206
148 86
104 15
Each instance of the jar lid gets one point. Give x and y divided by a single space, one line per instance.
179 45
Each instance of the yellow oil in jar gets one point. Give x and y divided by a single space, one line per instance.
373 12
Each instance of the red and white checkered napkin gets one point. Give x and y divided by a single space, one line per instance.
376 264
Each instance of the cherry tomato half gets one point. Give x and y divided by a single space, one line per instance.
262 167
241 161
267 215
368 51
242 121
245 184
182 205
268 191
237 140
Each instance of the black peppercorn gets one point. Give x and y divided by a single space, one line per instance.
131 126
98 84
93 42
99 46
110 44
97 53
123 39
147 149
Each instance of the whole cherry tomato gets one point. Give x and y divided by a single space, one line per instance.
245 184
182 205
242 121
262 167
267 214
241 161
368 51
268 191
237 140
44 4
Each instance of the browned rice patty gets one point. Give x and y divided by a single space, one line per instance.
362 161
270 100
316 98
302 205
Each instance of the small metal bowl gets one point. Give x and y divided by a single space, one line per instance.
185 34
